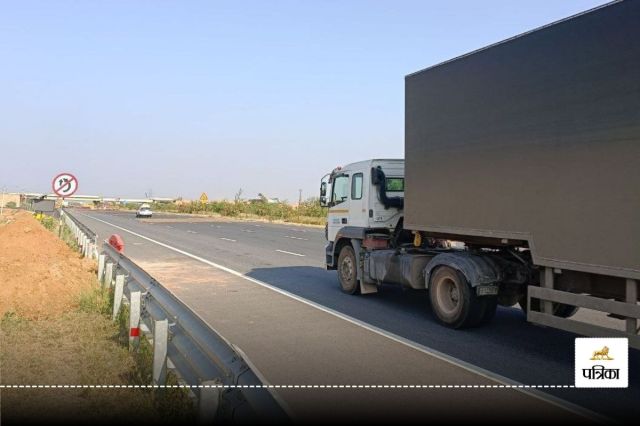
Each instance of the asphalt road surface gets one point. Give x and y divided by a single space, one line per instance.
291 258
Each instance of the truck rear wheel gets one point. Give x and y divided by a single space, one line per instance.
347 270
453 301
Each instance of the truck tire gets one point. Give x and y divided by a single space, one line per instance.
347 270
453 301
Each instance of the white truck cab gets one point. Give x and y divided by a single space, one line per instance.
368 245
358 195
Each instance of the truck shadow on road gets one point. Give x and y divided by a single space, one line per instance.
508 345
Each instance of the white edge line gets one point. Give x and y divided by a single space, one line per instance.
291 253
222 238
553 400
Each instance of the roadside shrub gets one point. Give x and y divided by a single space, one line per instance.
308 212
47 221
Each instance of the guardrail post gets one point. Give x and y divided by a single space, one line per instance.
85 240
632 297
134 320
108 275
160 340
60 224
117 295
208 402
101 260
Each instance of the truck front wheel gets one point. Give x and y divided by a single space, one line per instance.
453 301
347 270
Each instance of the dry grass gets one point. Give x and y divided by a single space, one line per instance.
79 345
77 348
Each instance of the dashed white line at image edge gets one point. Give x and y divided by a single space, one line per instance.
228 239
569 406
269 386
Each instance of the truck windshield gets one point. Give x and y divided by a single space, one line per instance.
340 189
394 184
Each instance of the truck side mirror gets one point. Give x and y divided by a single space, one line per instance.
323 201
323 190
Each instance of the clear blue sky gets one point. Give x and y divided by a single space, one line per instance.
182 97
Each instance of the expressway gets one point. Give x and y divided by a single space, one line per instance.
290 258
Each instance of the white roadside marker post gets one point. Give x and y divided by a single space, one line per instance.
160 341
117 296
134 320
108 275
101 261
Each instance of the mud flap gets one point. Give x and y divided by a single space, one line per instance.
365 288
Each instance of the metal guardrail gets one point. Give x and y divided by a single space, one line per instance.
86 239
226 385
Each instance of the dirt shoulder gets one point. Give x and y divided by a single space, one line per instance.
54 330
41 276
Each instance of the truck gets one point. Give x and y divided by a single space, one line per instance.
521 183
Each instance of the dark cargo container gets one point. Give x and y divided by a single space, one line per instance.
535 139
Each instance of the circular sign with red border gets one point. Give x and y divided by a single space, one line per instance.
64 185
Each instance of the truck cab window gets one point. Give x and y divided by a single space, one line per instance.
356 186
340 189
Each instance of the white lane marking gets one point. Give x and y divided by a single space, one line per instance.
138 244
228 239
170 227
553 400
192 232
247 230
292 253
297 230
256 225
296 238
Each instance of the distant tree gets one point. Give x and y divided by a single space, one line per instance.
11 205
236 198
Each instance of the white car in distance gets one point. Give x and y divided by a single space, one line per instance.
144 211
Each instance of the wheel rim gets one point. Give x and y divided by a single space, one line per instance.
346 269
448 296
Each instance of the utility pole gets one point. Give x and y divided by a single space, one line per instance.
300 197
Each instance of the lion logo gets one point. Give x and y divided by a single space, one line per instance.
602 354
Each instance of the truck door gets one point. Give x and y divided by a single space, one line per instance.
358 205
338 205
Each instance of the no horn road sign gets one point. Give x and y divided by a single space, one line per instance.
65 184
